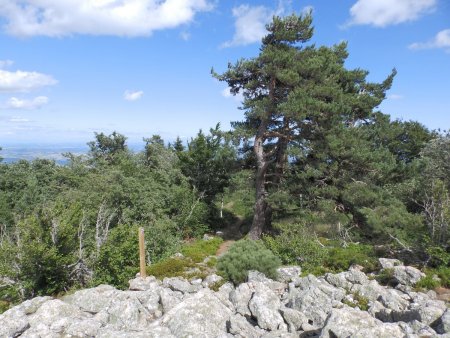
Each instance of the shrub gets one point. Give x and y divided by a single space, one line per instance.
429 282
340 259
386 277
169 267
118 260
246 255
201 249
294 245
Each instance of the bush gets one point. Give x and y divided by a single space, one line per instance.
201 249
118 260
430 281
246 255
340 259
169 267
294 245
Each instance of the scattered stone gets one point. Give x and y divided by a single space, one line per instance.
287 274
328 306
388 263
407 275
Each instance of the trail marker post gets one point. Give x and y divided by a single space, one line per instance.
142 253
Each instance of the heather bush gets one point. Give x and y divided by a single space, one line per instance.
246 255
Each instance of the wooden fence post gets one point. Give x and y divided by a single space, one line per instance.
142 253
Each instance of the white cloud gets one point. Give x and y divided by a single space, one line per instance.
250 25
382 13
20 81
5 63
97 17
395 97
186 36
18 119
441 40
307 9
133 95
37 102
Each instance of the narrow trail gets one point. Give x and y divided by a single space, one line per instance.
231 233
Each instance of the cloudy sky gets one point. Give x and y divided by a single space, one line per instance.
142 67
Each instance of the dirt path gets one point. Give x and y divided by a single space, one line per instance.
231 234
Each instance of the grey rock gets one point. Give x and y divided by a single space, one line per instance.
240 327
169 299
287 274
349 322
279 334
127 313
429 311
85 328
418 329
150 299
92 300
32 305
53 310
315 298
388 263
153 332
13 322
143 284
240 297
295 319
202 315
346 279
407 275
264 306
180 284
445 320
258 277
211 280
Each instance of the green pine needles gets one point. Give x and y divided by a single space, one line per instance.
246 255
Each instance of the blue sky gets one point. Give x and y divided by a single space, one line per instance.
142 67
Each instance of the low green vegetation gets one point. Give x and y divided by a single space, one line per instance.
187 264
246 255
170 267
200 249
439 277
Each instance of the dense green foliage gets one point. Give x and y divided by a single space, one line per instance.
76 225
246 255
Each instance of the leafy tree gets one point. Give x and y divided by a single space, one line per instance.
208 162
107 147
296 94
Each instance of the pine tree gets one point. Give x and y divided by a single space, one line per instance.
295 94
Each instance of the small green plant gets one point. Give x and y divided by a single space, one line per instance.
200 249
358 301
4 305
429 282
212 262
246 255
386 277
295 245
169 267
340 258
216 286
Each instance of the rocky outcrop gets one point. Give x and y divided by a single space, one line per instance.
346 304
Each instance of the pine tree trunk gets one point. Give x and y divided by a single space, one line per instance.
260 212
